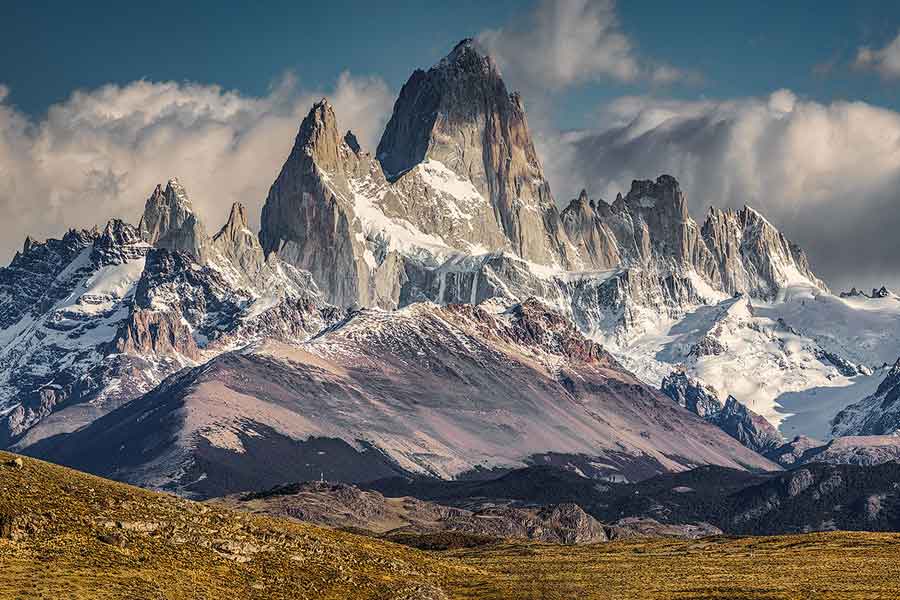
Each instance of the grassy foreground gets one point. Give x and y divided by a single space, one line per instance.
64 534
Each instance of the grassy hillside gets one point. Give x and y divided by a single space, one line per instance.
79 536
64 534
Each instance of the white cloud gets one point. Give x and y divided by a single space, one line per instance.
829 174
567 42
885 61
99 154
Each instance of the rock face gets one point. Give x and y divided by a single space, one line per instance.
752 256
309 217
878 414
593 239
694 395
465 179
795 451
747 427
856 450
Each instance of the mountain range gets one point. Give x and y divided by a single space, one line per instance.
429 310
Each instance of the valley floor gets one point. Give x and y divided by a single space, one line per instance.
64 534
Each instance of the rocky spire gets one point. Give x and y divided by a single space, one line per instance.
237 242
308 218
235 228
461 114
592 238
169 221
352 142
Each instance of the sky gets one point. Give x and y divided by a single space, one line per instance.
793 108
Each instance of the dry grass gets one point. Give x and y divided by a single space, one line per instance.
824 565
78 536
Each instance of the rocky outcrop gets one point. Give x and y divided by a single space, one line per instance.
747 427
29 285
465 179
655 226
152 332
752 256
592 238
856 450
694 395
347 506
102 316
794 452
169 222
853 293
644 527
310 216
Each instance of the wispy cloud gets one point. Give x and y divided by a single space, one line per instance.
885 61
568 42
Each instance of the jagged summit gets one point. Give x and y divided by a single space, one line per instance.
169 221
236 226
463 87
467 55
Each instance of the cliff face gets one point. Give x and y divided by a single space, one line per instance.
583 221
464 179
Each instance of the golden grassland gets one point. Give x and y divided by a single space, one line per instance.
64 534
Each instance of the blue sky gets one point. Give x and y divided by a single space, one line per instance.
49 49
790 107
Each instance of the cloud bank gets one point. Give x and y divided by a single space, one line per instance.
827 174
99 154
